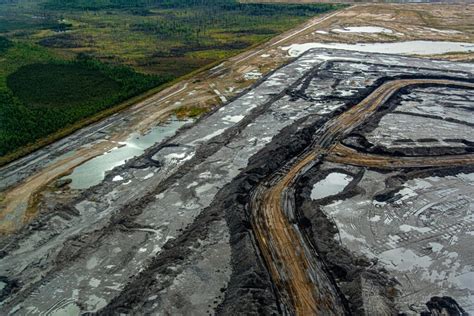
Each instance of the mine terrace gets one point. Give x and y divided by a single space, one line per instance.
340 182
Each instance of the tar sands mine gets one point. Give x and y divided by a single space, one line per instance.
338 184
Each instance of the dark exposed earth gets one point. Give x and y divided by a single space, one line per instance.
375 205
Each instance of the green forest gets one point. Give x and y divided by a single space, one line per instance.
65 60
41 98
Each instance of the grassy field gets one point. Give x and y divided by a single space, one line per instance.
151 36
62 61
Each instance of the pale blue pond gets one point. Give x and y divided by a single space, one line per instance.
333 184
93 171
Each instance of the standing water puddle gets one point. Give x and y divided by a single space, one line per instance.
408 47
333 184
93 171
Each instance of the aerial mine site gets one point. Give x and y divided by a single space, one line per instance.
327 169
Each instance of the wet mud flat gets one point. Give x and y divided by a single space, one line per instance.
172 230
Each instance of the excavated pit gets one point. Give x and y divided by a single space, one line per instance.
174 229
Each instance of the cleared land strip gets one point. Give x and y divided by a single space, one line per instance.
290 263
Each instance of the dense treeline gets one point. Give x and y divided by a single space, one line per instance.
179 4
194 23
44 98
4 44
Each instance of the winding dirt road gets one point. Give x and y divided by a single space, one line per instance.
291 264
